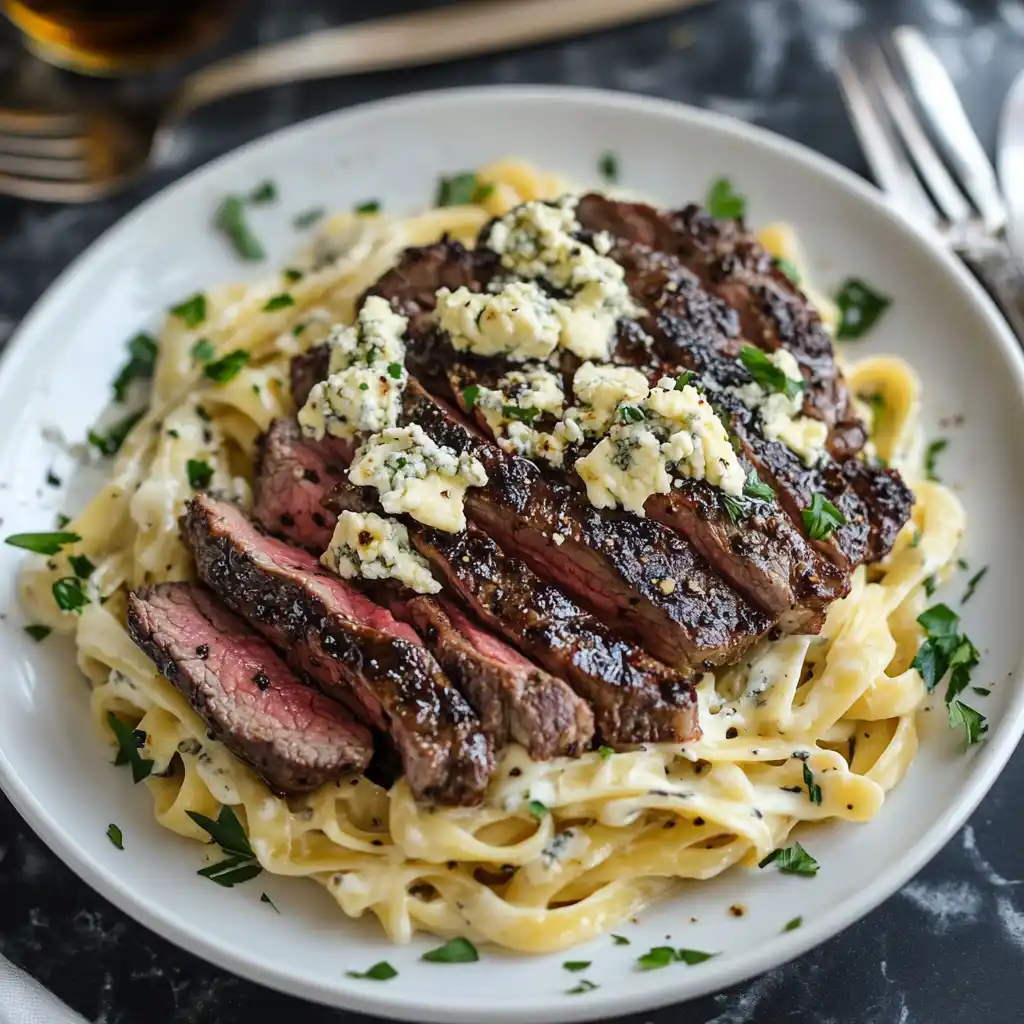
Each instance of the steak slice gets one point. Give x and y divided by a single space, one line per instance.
354 649
294 737
515 700
291 476
307 369
641 578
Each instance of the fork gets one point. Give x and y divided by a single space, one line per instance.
953 192
74 157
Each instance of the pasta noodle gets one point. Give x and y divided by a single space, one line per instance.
620 831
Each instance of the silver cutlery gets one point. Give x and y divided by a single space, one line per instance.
1010 163
78 156
950 187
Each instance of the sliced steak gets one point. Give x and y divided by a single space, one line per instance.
515 700
888 500
354 649
291 477
307 369
295 738
643 579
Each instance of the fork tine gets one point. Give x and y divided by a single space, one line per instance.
57 191
915 139
41 146
949 122
48 170
29 122
889 164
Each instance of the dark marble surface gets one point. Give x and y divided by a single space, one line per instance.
950 946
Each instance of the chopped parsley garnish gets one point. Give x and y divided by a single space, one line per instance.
202 351
69 595
576 965
755 488
631 414
947 650
41 543
382 971
230 219
662 956
792 860
455 951
395 371
191 312
608 165
860 306
282 301
38 633
813 789
684 378
81 566
202 414
525 414
766 374
199 474
142 353
115 835
981 691
822 518
52 479
291 275
264 898
470 395
620 940
223 369
298 329
364 386
792 926
972 584
265 192
369 206
536 808
723 202
241 864
308 218
461 190
109 443
787 267
128 748
930 586
931 454
735 508
583 986
62 520
605 752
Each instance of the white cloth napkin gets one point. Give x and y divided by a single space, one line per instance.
24 1001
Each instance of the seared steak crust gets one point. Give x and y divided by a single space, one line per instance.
354 649
293 736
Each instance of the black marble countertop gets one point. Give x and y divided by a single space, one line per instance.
950 946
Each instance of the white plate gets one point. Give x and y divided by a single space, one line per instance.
57 373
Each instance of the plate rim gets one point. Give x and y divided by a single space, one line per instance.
987 761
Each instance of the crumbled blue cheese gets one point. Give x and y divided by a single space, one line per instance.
670 433
537 240
415 475
375 548
519 321
780 416
363 391
599 388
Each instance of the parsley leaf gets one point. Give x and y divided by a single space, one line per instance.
230 219
369 206
754 488
128 748
536 808
656 958
931 454
382 971
115 835
265 192
822 518
766 374
576 965
223 369
308 218
787 267
693 956
81 566
191 312
38 633
41 543
461 190
813 789
226 831
794 924
631 414
620 940
963 716
723 202
525 414
395 371
792 860
608 165
605 752
202 351
972 585
275 302
109 443
735 508
686 377
231 871
455 951
470 395
68 593
860 306
141 364
583 986
199 474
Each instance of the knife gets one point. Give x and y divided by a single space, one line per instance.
1010 164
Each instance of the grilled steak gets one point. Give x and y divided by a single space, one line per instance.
293 736
354 649
308 369
515 700
291 476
